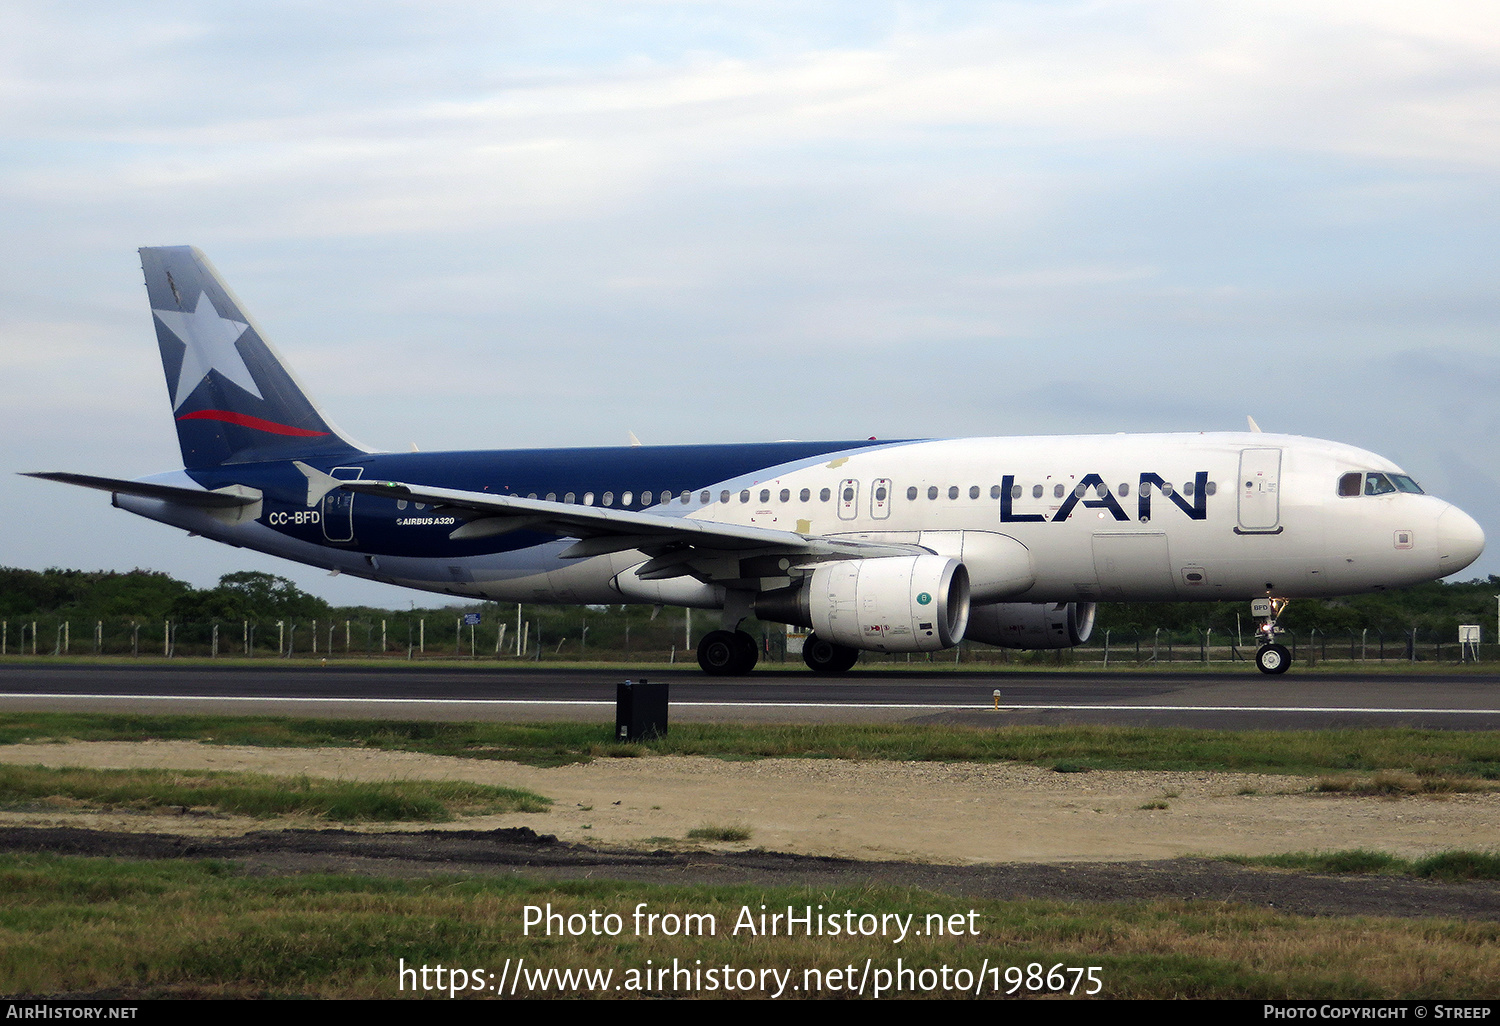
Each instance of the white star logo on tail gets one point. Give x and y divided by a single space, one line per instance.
210 346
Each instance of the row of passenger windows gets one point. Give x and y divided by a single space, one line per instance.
1377 484
626 498
686 497
1059 490
912 493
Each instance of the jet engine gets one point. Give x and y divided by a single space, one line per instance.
886 604
1032 624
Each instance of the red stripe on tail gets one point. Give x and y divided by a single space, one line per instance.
245 420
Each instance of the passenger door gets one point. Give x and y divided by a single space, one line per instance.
1260 491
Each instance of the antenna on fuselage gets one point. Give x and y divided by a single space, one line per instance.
1253 426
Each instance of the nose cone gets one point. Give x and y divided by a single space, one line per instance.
1460 541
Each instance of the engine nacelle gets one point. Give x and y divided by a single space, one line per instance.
889 604
1032 624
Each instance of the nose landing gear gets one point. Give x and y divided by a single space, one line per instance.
1270 657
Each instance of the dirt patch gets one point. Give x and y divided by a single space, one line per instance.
947 813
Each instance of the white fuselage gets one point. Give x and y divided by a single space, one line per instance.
1035 519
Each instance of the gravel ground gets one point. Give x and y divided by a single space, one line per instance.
1000 830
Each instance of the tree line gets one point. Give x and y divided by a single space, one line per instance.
151 598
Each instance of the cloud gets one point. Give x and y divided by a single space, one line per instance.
532 224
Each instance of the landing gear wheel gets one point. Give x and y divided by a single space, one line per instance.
749 650
726 654
1273 659
826 657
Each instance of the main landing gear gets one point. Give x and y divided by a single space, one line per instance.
1270 657
826 657
727 653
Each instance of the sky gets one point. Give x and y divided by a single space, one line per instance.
480 225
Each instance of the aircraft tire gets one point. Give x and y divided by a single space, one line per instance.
826 657
1273 659
749 650
722 654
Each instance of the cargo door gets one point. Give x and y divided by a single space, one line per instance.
1133 567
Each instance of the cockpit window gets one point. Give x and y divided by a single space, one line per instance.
1377 484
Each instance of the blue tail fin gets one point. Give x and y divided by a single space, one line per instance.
233 398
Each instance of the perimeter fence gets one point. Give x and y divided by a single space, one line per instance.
437 636
395 636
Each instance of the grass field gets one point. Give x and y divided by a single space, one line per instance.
126 929
249 794
1447 866
139 930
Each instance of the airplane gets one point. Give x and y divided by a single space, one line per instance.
909 545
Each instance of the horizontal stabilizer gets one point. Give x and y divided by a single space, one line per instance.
223 498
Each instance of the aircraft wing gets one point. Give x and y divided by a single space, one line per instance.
601 530
223 498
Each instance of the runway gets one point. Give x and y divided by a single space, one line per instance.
1219 700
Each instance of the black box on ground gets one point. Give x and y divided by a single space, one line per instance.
640 710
